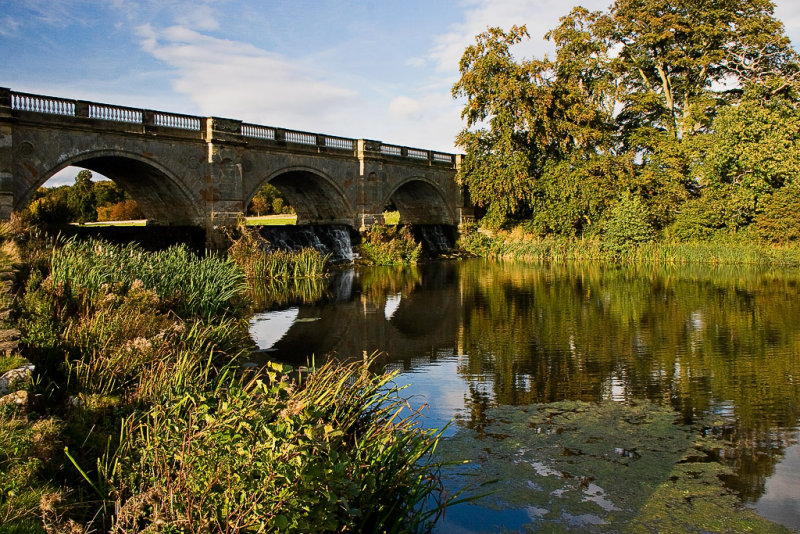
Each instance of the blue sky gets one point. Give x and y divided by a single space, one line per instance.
370 69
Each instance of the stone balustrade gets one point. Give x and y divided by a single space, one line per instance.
148 119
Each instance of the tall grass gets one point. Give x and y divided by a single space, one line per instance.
279 292
517 245
390 245
138 355
260 454
251 253
185 283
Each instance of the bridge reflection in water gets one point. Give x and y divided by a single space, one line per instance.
474 335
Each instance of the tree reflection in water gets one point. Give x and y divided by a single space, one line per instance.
705 341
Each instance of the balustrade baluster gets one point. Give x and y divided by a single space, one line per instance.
106 112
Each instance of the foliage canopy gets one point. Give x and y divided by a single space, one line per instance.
679 105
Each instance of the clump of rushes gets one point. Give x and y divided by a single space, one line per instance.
259 453
526 247
184 283
277 292
388 245
251 253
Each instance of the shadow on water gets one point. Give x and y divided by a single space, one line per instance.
703 358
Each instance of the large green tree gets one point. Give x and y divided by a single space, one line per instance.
82 200
622 108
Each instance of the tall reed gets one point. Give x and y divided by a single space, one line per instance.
341 453
185 283
390 245
516 245
163 430
251 253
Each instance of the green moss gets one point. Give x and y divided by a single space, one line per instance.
609 465
7 363
692 499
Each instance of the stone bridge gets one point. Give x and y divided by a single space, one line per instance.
204 171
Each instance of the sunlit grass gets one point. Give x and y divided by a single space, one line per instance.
391 218
139 354
516 245
249 251
272 220
136 222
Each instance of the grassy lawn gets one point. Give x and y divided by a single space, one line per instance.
138 222
272 220
391 218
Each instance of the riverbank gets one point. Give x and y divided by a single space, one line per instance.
141 415
516 244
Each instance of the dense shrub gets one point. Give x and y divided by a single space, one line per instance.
627 223
779 222
124 210
390 245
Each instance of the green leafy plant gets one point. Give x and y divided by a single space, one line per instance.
627 224
340 452
390 245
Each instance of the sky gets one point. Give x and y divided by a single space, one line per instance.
380 69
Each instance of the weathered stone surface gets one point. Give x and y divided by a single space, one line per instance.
11 334
18 397
187 170
15 377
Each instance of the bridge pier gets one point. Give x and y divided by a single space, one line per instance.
203 171
366 220
6 156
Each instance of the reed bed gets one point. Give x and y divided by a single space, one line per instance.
277 292
340 453
157 427
390 245
252 254
183 282
518 246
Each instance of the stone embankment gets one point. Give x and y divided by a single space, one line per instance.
13 382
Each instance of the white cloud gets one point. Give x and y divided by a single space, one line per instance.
199 17
539 16
405 108
57 14
238 80
432 103
415 62
8 26
788 11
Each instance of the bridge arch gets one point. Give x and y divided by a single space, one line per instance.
161 195
315 196
421 201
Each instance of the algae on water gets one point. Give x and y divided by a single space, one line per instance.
607 466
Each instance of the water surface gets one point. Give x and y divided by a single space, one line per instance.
582 397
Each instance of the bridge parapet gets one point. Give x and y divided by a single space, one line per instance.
205 170
209 128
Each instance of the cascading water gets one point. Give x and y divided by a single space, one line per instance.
327 238
336 239
435 238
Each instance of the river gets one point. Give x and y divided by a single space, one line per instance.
580 396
